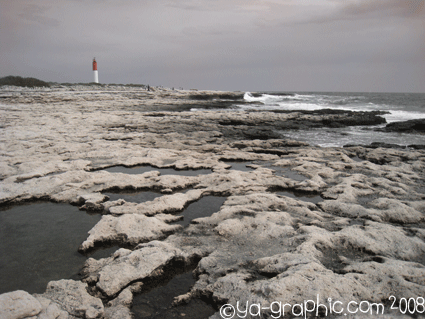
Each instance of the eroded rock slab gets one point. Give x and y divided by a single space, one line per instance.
18 304
130 229
74 298
125 267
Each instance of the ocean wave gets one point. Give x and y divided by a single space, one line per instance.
263 98
397 116
281 106
270 98
348 100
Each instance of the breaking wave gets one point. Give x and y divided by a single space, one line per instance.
270 98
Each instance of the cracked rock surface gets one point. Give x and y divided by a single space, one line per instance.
364 240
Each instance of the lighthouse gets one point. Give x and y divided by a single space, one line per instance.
96 77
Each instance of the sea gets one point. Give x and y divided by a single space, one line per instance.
400 107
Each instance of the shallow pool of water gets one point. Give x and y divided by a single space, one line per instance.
301 196
157 303
204 207
240 166
39 243
286 172
357 159
163 171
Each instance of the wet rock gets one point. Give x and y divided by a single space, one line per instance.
269 146
107 205
261 133
339 118
416 146
92 202
18 304
411 126
377 145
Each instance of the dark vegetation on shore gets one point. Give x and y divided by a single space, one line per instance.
101 84
20 81
33 82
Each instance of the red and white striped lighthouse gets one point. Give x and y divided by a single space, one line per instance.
96 77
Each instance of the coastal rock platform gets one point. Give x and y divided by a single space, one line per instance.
363 240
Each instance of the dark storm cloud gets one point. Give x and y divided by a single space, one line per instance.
219 44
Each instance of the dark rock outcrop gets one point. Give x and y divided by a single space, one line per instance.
411 126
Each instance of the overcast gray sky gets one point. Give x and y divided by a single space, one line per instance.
248 45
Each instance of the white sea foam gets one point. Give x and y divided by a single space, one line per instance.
306 102
397 116
400 108
281 106
353 135
264 98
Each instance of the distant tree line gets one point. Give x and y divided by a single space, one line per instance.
20 81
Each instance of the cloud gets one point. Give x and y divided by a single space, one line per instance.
350 10
405 8
227 44
38 14
199 31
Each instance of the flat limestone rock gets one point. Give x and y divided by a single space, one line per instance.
280 263
136 265
382 210
73 297
164 204
18 304
383 272
382 239
301 281
130 229
51 309
308 271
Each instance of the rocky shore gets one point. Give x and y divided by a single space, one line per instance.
364 240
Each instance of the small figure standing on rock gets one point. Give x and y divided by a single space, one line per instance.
149 88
